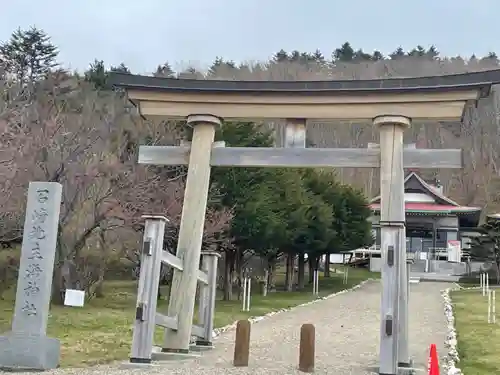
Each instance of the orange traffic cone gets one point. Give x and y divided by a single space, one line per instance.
433 361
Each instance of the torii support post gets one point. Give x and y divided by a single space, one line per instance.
207 298
183 291
147 293
394 322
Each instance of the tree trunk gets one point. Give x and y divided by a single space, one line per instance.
99 288
311 269
287 270
271 268
239 272
301 273
57 297
228 275
498 271
290 260
326 273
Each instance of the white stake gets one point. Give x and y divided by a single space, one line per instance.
493 306
244 294
487 282
489 308
346 275
315 283
247 286
481 282
249 294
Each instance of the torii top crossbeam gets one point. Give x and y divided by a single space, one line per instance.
437 98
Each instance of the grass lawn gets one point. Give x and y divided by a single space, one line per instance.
101 331
478 341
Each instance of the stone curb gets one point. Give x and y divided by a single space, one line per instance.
254 319
452 358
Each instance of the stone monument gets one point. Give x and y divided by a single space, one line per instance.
27 346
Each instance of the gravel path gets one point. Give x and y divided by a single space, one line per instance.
347 338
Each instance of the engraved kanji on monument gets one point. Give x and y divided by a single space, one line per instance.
27 346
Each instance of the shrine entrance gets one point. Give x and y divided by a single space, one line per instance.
391 105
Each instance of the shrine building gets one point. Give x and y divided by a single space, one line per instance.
433 221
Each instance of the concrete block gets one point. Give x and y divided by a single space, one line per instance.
25 351
201 348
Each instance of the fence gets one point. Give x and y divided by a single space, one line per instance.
146 317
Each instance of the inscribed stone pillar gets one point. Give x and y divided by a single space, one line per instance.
183 291
27 345
394 306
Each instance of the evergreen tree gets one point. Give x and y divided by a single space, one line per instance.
165 71
491 57
29 54
218 65
318 57
295 56
344 53
486 247
280 56
432 52
377 55
122 68
360 55
97 74
419 51
398 53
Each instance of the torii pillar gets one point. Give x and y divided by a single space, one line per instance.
191 232
394 305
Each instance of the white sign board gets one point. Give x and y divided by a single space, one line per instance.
74 298
454 251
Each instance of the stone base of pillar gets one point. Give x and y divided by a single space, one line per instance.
201 348
203 343
23 351
162 356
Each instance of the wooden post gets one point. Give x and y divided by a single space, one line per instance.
183 291
210 260
242 344
393 240
203 295
307 348
147 293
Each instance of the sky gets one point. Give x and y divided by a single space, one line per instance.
146 33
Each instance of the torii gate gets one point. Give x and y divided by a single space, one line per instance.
391 105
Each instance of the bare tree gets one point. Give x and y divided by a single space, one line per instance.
67 132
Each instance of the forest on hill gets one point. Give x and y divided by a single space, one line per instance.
72 128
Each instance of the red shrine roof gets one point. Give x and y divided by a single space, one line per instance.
435 203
